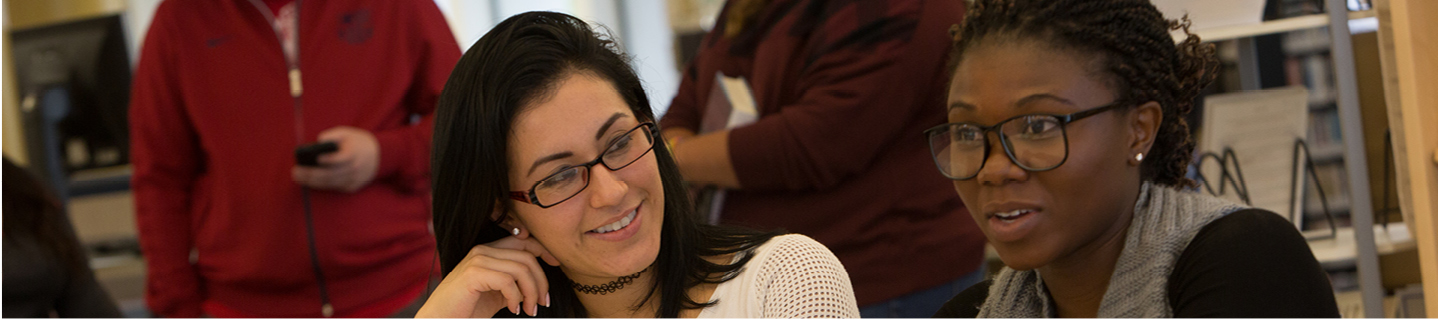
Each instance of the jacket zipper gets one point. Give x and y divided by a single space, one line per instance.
292 66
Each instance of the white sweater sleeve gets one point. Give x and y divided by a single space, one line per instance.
803 279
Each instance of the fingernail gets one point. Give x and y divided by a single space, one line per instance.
546 299
515 310
534 310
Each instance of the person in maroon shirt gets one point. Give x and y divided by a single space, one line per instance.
224 92
843 90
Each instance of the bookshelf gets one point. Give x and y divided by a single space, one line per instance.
1316 52
1360 21
1304 57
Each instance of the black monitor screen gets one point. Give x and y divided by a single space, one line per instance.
74 81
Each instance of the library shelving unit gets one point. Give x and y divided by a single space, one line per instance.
1405 43
1333 103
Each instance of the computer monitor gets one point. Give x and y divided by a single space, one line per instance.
74 82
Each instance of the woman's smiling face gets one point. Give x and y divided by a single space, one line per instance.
1034 219
611 228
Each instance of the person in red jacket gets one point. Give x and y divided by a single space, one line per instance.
224 92
843 92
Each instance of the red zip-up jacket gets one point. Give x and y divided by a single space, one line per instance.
214 129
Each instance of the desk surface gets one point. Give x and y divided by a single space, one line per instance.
1341 250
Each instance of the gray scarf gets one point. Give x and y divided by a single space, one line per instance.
1164 221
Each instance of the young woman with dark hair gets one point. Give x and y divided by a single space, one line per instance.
1067 142
553 199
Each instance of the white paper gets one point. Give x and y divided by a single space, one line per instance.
1207 14
1261 128
743 110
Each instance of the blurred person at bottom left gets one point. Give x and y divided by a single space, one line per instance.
46 271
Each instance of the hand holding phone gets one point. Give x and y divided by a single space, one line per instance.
346 160
309 155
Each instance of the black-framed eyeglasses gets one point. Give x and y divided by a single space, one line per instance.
1035 142
569 181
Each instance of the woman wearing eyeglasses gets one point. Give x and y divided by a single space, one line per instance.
1068 144
552 199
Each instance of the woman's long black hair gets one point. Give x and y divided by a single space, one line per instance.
32 212
1135 51
519 62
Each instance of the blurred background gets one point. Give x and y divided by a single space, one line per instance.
67 66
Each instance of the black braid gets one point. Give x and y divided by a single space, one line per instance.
1137 54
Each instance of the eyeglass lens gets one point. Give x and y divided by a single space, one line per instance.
1034 142
621 152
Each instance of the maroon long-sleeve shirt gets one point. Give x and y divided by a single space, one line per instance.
844 91
214 128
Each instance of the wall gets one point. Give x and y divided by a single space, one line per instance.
14 141
641 27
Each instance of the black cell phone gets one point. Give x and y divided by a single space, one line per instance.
309 155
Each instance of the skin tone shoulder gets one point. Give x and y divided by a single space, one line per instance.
587 235
1073 218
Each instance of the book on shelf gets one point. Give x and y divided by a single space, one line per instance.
1295 8
1325 136
1334 180
1318 78
1312 71
1302 41
1360 5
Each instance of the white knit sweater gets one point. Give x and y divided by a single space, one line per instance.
791 276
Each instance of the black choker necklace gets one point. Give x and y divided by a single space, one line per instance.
607 288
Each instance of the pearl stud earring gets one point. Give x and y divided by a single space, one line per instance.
1138 157
514 232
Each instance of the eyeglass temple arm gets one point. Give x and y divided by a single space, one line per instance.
520 196
1086 113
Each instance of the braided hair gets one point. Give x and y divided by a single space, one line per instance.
1134 51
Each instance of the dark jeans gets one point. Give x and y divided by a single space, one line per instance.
922 304
410 310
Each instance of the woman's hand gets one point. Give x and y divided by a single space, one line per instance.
493 276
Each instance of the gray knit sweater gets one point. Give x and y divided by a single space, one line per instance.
1164 221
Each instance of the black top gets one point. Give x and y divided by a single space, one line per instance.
1248 264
